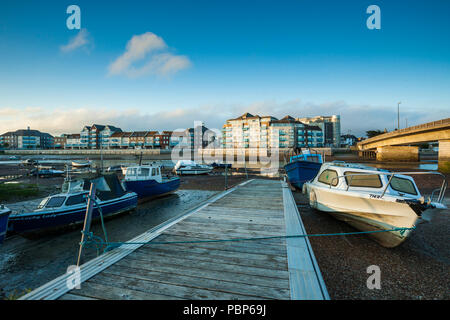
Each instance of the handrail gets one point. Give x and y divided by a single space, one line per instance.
392 174
404 130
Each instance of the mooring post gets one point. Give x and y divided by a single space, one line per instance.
87 220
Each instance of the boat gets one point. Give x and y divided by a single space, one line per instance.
4 215
81 164
148 183
372 199
191 167
303 167
42 171
69 206
117 168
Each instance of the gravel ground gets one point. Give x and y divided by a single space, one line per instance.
417 269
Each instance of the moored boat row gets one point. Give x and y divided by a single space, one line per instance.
69 206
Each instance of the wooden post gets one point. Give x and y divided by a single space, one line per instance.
87 220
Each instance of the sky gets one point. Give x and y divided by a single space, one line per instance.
161 65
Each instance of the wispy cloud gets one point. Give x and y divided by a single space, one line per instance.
154 51
79 41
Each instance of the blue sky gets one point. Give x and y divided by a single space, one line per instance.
302 58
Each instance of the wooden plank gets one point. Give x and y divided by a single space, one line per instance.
153 287
212 265
154 254
234 288
241 231
221 275
232 221
222 255
238 246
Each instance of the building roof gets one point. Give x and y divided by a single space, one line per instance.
28 133
73 136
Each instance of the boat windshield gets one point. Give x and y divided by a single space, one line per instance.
357 179
403 185
55 202
42 204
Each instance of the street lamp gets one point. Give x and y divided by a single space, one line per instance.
398 115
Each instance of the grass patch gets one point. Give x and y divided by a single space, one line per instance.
18 191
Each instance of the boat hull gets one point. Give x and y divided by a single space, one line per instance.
4 215
43 221
193 171
150 189
299 172
366 214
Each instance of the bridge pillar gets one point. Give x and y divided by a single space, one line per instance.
398 153
444 156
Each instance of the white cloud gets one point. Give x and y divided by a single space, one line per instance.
146 47
357 118
80 40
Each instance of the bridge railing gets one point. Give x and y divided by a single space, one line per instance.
406 130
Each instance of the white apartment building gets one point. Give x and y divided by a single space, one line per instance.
330 126
249 131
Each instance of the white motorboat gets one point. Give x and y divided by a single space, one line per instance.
372 199
191 167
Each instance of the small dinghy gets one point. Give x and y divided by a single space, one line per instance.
81 164
191 167
69 206
303 167
372 199
148 182
4 215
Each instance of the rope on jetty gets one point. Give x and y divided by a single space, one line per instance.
92 240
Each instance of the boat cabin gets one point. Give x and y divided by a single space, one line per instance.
144 172
354 177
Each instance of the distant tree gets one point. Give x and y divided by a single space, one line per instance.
373 133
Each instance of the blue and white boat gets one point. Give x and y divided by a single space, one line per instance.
148 182
69 206
303 167
4 215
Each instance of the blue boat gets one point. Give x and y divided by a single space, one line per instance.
69 207
4 214
148 182
302 168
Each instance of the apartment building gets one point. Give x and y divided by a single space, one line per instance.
330 126
253 131
26 139
97 136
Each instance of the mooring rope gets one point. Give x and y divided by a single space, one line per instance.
99 242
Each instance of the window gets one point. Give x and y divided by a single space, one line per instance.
403 185
55 202
144 172
73 200
153 172
362 180
329 177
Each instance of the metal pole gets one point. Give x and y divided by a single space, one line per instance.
398 115
226 176
87 220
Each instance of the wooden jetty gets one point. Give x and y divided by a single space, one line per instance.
277 268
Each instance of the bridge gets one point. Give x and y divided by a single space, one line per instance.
396 145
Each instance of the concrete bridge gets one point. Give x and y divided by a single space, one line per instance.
396 145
